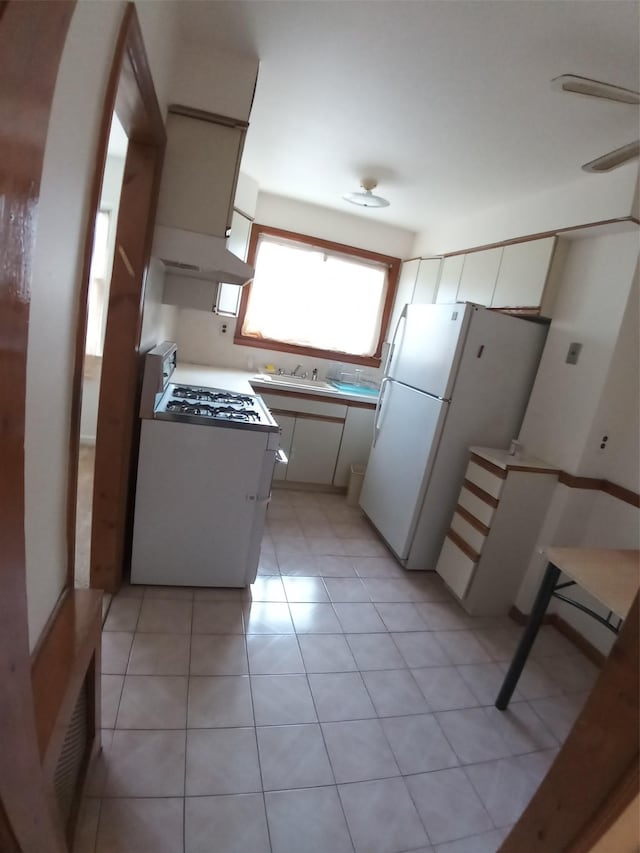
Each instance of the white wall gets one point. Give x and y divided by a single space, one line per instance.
618 414
589 309
360 231
62 218
600 399
158 22
158 321
590 198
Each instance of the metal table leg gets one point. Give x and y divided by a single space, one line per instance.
536 616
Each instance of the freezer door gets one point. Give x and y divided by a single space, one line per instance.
427 346
407 432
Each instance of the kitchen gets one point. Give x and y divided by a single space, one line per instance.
561 425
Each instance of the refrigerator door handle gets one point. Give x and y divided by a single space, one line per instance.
403 316
376 422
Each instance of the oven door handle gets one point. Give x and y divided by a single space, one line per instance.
281 457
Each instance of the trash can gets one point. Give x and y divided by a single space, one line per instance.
356 477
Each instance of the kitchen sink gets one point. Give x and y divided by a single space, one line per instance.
294 382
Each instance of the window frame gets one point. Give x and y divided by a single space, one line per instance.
393 265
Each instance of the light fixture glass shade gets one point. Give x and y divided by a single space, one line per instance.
366 199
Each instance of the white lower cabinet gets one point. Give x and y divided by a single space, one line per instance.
322 439
357 437
314 450
502 504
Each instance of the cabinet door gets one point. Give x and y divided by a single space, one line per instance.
228 298
287 425
523 274
314 450
199 175
479 274
450 279
356 442
427 280
404 292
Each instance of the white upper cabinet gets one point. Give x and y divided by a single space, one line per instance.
200 172
228 298
426 283
523 274
479 275
450 279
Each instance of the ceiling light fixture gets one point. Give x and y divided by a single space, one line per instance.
367 198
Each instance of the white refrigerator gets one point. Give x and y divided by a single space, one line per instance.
456 375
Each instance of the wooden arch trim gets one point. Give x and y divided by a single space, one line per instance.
131 95
32 38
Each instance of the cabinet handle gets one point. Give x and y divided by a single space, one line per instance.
376 427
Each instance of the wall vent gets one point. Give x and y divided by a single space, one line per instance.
72 755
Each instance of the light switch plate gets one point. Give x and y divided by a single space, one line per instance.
573 353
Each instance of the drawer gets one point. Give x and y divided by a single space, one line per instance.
477 506
455 567
285 403
471 535
486 480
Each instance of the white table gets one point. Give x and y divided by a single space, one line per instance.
611 576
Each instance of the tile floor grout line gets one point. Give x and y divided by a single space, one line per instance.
255 736
324 741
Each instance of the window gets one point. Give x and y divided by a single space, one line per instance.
316 298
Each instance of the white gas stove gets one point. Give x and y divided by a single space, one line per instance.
204 481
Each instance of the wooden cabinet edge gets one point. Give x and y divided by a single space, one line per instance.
472 520
459 542
485 497
60 664
489 466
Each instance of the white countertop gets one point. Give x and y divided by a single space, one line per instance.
521 460
249 382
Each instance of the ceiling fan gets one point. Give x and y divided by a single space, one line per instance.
598 89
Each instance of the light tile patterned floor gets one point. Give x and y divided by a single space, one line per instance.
342 704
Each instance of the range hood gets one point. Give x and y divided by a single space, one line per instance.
199 256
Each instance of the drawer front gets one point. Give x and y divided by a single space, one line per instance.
486 480
476 506
455 568
285 403
471 535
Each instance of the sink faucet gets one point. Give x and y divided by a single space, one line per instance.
295 370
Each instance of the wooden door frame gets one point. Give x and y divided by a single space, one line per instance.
131 95
595 775
32 38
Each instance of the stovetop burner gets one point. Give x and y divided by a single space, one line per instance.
185 407
214 406
208 395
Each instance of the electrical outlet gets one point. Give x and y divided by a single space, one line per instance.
223 328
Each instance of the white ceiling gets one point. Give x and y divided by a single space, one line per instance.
446 102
